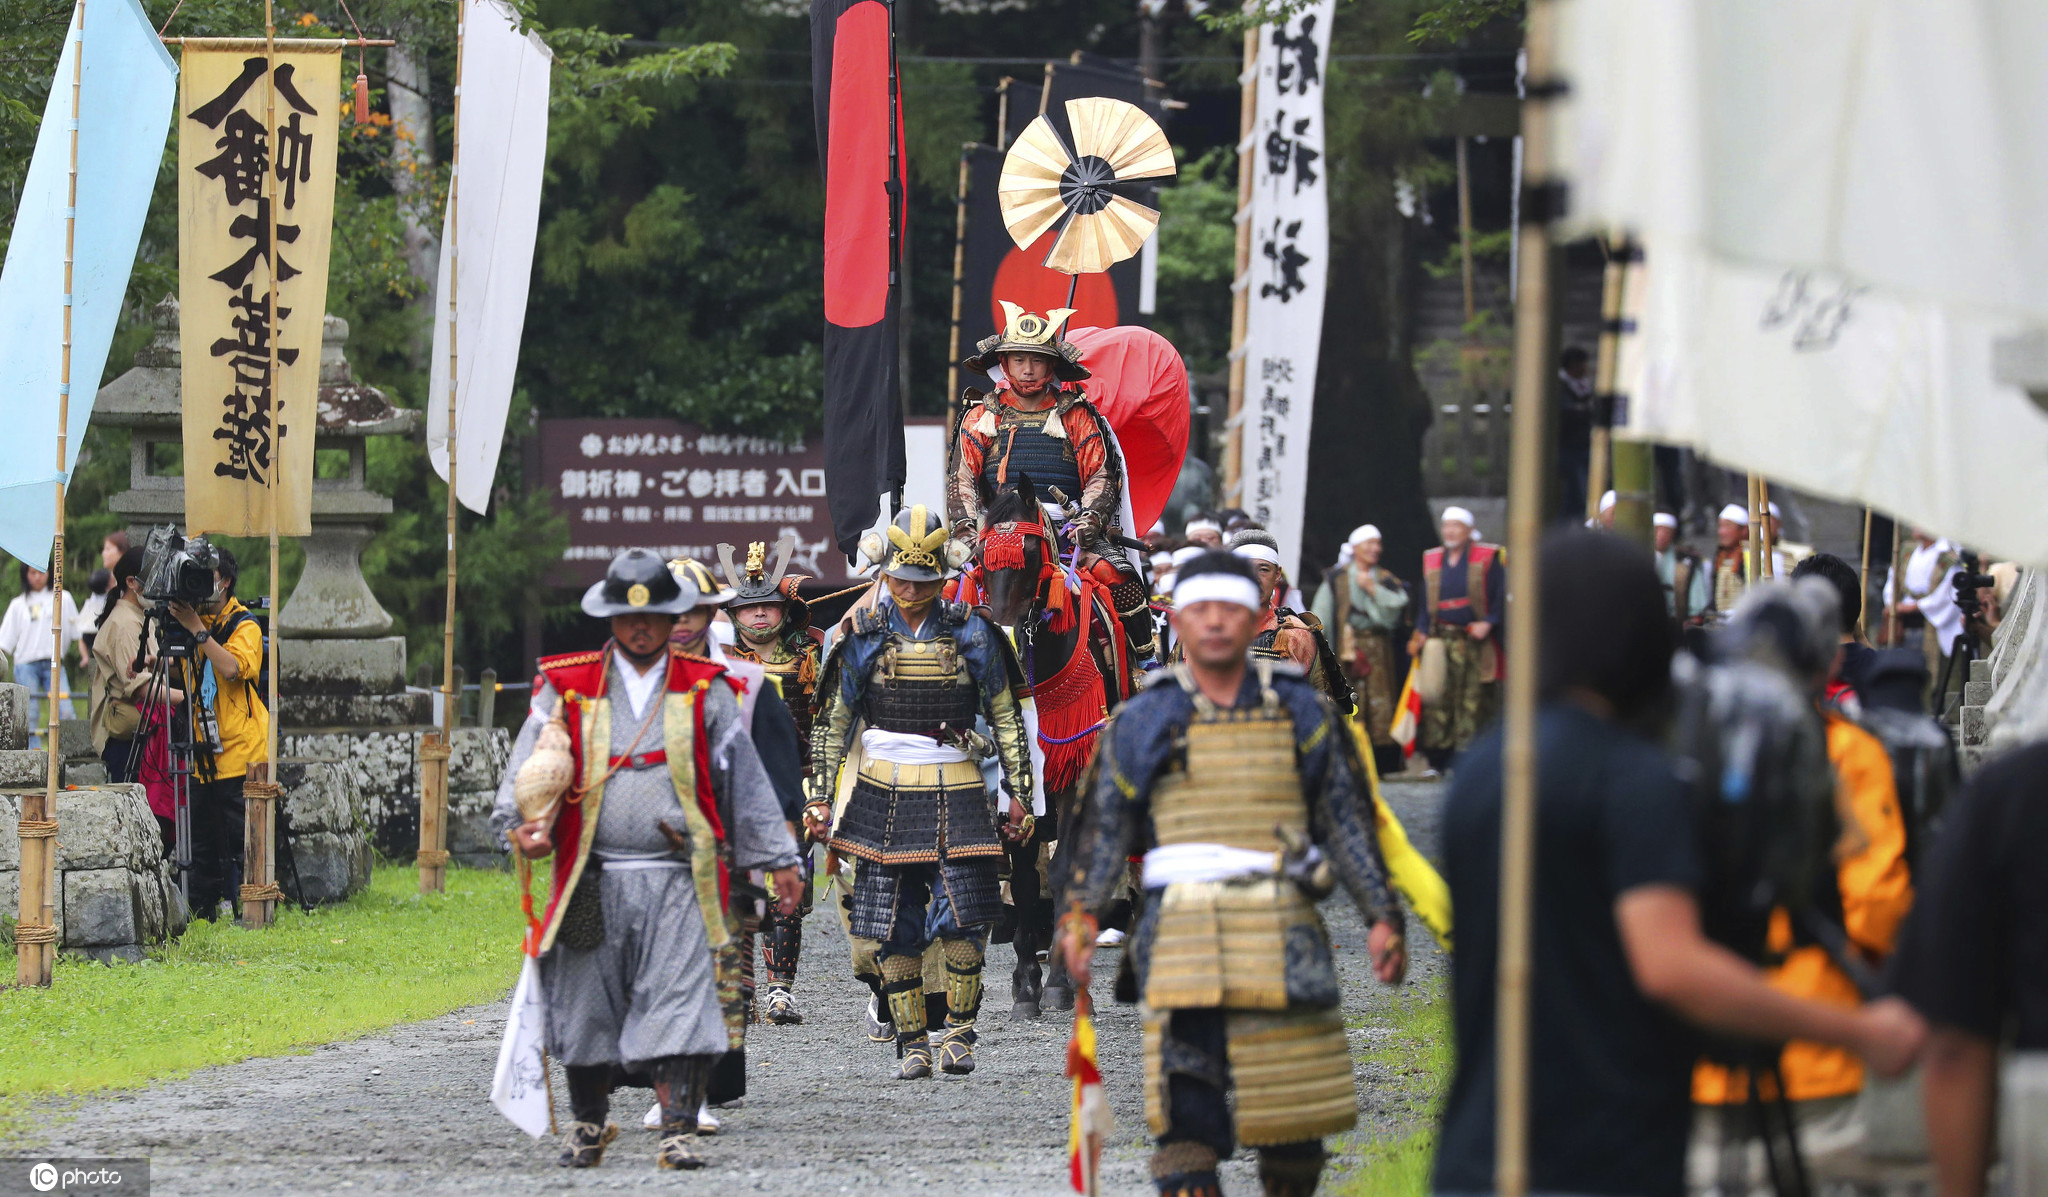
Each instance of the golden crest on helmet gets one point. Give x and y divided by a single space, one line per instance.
917 546
637 595
1029 328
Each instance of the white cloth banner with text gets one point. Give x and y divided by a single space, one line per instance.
1285 286
488 235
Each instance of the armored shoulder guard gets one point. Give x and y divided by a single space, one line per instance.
869 621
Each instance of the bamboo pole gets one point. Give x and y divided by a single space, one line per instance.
1465 239
35 928
1240 272
1752 563
1526 486
1767 550
959 267
1896 626
1863 581
435 750
1606 355
1003 113
259 891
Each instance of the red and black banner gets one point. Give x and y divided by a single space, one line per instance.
860 149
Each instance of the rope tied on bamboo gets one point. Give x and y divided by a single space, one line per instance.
432 857
433 748
267 892
262 791
34 933
33 829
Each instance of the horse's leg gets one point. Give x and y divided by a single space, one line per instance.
1025 984
1059 984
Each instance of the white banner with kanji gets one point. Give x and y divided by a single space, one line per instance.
1290 227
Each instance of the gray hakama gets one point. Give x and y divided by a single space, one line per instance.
650 989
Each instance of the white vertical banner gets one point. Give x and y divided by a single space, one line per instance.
1290 225
503 139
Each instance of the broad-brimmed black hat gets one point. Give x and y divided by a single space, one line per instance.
638 582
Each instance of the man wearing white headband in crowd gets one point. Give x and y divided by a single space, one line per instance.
1606 518
1360 608
1284 635
1463 593
1205 532
1686 592
1224 771
1731 542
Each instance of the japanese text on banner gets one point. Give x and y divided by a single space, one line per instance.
241 424
1289 269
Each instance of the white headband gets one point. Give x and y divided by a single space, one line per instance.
1195 526
1182 556
1775 513
1607 502
1665 519
1256 552
1456 513
1736 513
1161 561
1216 587
1363 533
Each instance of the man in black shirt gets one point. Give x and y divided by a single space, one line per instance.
1974 959
1619 958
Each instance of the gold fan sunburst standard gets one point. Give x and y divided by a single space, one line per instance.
1043 185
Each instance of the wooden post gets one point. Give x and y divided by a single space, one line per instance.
35 926
1240 271
487 698
1863 582
1526 487
1767 541
433 851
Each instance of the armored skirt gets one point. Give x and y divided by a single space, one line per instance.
934 823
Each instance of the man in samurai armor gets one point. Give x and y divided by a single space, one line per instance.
669 805
901 690
1039 422
1462 596
1284 633
782 752
1361 606
772 629
1240 785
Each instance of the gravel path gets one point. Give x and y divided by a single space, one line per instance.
407 1110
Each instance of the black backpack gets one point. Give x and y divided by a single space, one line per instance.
262 681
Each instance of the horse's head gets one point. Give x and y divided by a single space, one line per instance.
1016 552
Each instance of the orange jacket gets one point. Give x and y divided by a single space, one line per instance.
1876 894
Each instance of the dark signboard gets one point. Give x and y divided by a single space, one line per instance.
679 490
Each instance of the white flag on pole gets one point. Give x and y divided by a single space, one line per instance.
520 1088
1290 226
496 215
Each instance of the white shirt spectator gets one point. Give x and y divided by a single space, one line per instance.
25 630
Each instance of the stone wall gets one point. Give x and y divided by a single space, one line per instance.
381 771
327 856
115 894
2005 702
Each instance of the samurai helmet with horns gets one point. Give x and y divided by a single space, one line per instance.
1030 332
760 583
918 547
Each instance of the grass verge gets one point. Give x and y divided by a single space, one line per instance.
1408 1062
221 993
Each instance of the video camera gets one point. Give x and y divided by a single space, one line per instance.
1753 747
1968 581
176 569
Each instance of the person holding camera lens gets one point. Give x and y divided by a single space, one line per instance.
119 688
230 723
1621 959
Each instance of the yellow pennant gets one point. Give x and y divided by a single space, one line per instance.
231 162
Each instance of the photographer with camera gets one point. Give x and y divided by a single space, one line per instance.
119 689
1621 961
231 724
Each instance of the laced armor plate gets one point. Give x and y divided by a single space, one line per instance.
1022 443
1250 944
919 686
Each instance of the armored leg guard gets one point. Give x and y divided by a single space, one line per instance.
1291 1169
868 971
782 942
590 1103
1186 1169
903 986
963 1003
1134 611
680 1084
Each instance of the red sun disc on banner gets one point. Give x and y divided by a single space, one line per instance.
1022 280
